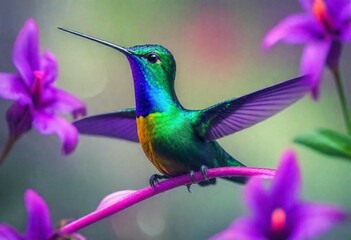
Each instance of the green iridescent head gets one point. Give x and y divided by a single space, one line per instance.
153 63
153 68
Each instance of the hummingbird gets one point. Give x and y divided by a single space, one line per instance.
177 140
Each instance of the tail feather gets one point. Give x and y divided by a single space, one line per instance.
240 180
213 181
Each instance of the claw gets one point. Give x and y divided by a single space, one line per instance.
191 176
204 172
154 179
188 187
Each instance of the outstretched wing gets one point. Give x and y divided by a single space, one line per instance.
234 115
120 125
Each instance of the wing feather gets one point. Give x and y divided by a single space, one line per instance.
237 114
120 125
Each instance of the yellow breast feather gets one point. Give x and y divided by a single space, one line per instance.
145 127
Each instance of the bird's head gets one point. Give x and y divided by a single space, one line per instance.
153 61
153 68
149 62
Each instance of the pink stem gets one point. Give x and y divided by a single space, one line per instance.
163 186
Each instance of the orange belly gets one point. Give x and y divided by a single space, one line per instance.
146 126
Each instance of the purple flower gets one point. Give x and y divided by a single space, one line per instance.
323 26
39 224
278 213
37 100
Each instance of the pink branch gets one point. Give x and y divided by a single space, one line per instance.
163 186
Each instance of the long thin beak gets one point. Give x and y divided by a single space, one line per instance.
114 46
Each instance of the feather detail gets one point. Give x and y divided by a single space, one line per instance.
120 125
237 114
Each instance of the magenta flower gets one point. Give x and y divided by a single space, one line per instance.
323 27
39 225
37 99
278 213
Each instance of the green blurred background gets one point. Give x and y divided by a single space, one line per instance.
217 45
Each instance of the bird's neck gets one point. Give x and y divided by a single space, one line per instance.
151 97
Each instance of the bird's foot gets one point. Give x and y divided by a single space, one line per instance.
188 187
191 177
154 179
203 171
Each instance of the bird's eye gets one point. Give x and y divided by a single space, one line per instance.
152 58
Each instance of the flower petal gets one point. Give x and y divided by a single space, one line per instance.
39 223
242 229
336 9
19 119
333 57
71 236
346 34
315 219
48 123
306 5
256 198
49 67
114 198
63 102
297 28
26 51
11 87
313 60
9 233
286 184
345 14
